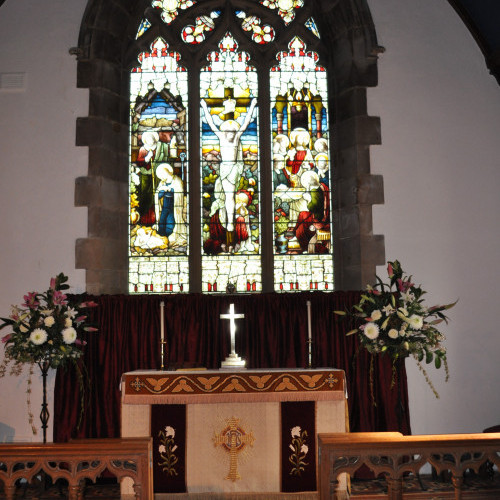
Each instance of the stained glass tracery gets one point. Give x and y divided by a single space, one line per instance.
261 33
195 34
170 8
143 27
286 8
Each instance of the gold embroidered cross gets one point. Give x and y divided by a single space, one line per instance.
233 439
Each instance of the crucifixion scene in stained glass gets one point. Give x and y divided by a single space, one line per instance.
230 171
158 173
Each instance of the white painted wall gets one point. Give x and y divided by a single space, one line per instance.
440 112
39 163
440 158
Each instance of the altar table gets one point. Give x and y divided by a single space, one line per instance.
244 430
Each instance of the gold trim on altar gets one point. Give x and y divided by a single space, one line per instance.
174 387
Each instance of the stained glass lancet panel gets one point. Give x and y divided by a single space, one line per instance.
230 192
301 172
158 235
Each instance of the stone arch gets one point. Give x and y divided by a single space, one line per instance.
107 30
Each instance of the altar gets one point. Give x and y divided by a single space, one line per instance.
225 431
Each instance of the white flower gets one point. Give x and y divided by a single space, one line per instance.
71 312
38 336
169 431
291 447
371 330
23 329
416 322
296 431
388 309
376 315
403 311
304 449
69 335
174 448
407 296
393 333
68 322
162 449
49 321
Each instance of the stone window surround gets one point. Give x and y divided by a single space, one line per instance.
107 29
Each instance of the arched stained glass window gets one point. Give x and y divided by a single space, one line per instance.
230 150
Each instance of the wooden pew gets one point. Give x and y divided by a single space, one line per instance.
78 460
395 455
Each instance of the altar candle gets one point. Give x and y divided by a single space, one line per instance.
309 333
162 321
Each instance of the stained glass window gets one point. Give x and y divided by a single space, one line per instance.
301 180
158 236
230 171
258 154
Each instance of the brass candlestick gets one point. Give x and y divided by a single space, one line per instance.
163 343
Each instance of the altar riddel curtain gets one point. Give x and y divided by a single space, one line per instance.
273 334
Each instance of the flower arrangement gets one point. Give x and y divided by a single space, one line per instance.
47 329
393 320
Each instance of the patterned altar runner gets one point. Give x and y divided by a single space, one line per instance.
219 386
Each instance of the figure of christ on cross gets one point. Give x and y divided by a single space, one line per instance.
231 167
233 360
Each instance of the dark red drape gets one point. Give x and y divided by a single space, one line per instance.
273 334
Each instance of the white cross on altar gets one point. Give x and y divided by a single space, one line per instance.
233 360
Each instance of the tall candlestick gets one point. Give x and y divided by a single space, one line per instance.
162 321
309 332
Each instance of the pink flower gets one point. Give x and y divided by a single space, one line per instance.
6 338
53 283
80 319
90 303
59 298
390 271
403 286
31 301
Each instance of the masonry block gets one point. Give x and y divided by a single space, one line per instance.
104 281
105 104
101 253
99 73
370 189
352 161
106 223
351 102
359 130
101 192
98 131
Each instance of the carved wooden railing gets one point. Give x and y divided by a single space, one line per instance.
394 455
78 460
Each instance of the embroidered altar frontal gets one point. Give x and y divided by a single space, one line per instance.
227 431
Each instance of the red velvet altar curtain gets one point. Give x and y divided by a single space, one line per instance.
273 334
